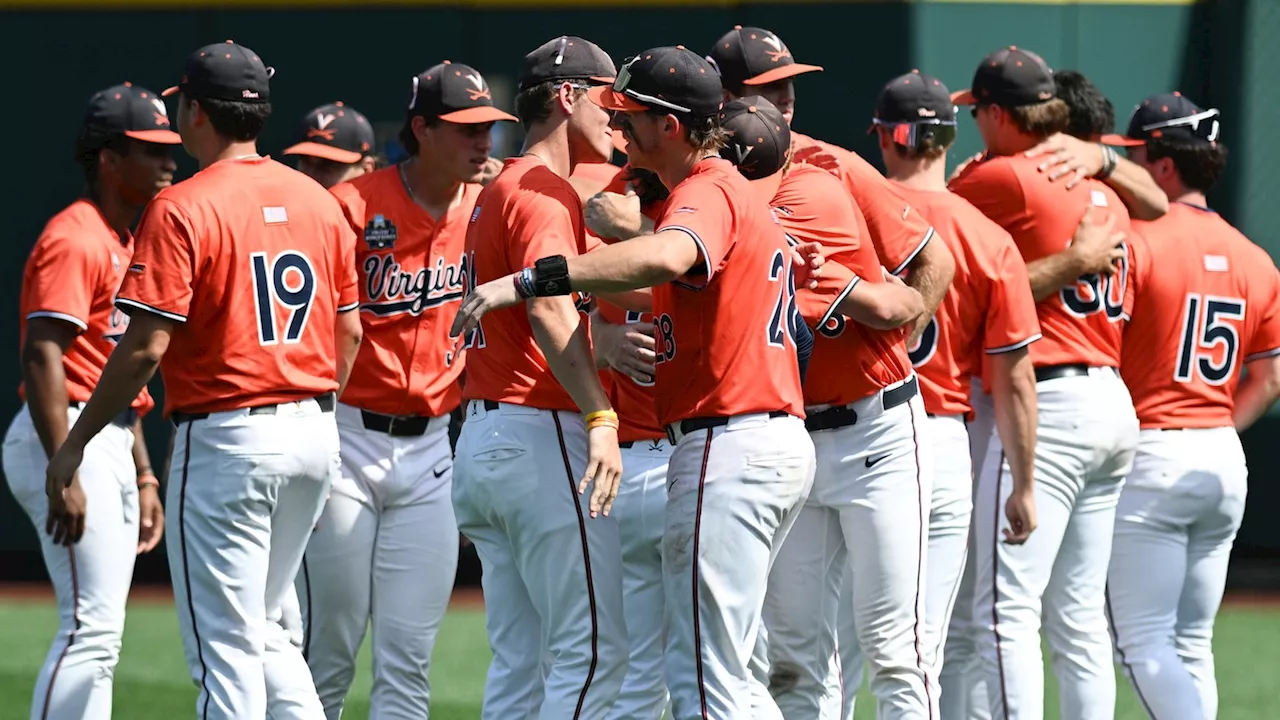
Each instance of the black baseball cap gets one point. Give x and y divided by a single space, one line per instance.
455 93
1170 116
131 111
1009 77
225 71
754 56
914 106
334 132
759 139
675 79
567 57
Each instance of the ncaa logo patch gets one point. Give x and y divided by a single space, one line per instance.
380 233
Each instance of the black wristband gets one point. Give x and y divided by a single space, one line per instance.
551 276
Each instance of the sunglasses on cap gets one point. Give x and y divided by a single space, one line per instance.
1199 127
621 82
914 134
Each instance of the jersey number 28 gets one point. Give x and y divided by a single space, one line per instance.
287 280
784 310
1207 324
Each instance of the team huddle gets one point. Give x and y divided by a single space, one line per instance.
741 417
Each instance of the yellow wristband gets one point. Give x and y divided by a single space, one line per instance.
602 414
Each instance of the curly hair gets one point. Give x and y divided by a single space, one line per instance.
1090 112
1200 165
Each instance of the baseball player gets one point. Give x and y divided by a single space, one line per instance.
755 61
68 328
989 316
729 398
1077 153
1086 429
334 144
386 549
551 556
858 393
242 290
1212 309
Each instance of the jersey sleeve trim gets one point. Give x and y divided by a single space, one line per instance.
59 316
928 235
1014 346
702 250
835 304
1262 355
348 308
126 305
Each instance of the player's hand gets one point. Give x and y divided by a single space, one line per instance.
150 518
1020 512
1068 157
1096 243
492 167
493 295
807 261
629 349
891 278
963 164
614 215
604 469
67 504
818 156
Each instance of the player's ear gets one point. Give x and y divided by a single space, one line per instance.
566 97
671 125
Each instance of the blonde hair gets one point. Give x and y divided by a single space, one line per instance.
1042 119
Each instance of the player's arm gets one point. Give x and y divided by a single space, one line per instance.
1258 390
45 379
1013 390
150 510
348 334
882 306
929 273
141 458
1074 159
1094 249
627 348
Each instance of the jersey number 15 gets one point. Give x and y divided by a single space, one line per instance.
287 280
1209 323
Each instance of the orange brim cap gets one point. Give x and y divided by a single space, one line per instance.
477 115
326 152
170 91
1120 141
781 73
159 137
606 98
964 97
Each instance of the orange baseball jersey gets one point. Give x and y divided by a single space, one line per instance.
850 361
411 270
72 275
602 172
721 332
526 213
634 402
1211 306
1082 322
897 232
988 309
254 261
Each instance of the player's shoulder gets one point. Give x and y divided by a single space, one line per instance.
990 169
77 220
359 189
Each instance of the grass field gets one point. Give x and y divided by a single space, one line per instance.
152 682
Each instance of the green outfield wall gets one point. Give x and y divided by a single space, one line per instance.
58 52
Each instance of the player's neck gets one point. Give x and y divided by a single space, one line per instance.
1013 143
118 214
550 144
928 174
1187 196
229 150
678 164
432 189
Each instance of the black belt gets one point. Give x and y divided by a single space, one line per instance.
396 425
627 444
1053 372
326 403
688 427
125 419
844 416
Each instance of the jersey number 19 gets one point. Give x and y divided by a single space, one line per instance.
286 280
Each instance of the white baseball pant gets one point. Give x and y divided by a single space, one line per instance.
871 495
640 510
245 489
384 554
1175 525
552 574
950 507
91 578
1084 448
733 492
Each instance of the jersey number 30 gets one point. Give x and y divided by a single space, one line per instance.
288 280
1207 324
